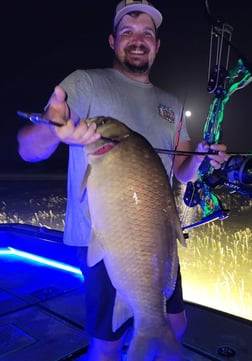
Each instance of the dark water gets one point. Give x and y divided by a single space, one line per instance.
216 265
36 201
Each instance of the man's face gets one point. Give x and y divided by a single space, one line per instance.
135 44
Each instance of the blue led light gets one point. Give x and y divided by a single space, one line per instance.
39 259
5 251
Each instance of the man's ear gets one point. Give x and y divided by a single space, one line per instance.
111 41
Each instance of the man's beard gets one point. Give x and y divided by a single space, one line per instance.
136 67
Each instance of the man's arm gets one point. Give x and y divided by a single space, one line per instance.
37 142
186 167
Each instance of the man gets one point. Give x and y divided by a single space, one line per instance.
126 93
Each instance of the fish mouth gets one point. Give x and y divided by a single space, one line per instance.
103 149
109 145
112 133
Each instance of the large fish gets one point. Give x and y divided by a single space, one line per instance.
135 228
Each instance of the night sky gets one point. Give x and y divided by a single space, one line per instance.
42 42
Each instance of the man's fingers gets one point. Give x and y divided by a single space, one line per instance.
77 134
59 94
88 133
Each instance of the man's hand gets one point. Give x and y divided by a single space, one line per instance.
216 159
73 131
79 134
57 109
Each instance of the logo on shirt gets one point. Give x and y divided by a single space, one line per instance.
167 113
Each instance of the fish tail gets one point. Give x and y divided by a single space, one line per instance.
147 348
142 348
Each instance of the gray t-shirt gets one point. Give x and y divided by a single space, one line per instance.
144 108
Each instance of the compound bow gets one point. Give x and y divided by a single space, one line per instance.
223 84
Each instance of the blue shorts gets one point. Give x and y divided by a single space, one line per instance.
100 296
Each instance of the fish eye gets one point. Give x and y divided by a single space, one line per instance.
103 121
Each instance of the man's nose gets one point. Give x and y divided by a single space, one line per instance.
138 38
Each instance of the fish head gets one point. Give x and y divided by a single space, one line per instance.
112 132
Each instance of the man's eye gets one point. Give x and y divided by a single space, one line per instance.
149 35
127 32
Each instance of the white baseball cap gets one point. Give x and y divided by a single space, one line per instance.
126 6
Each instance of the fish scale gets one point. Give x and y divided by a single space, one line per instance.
135 227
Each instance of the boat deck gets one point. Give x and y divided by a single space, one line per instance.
42 313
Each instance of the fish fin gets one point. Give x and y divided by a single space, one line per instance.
96 250
180 236
84 182
86 175
121 312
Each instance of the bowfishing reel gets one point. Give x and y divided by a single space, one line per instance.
236 174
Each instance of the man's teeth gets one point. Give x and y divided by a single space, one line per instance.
137 52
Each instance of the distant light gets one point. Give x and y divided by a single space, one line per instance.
188 113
